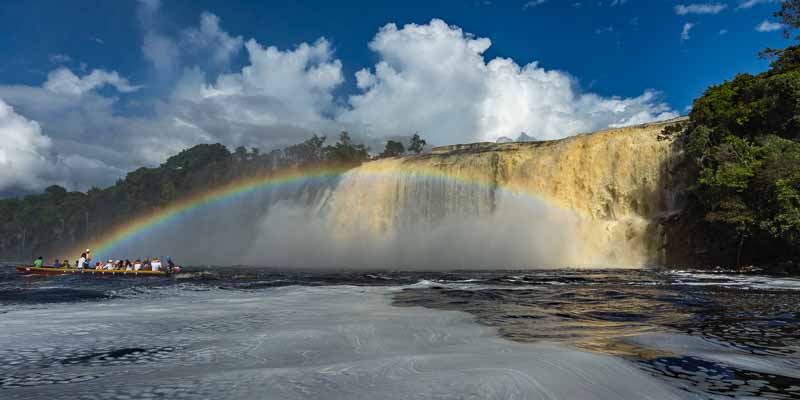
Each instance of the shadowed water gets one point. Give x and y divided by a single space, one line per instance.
261 333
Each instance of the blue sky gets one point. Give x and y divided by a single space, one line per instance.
644 49
597 64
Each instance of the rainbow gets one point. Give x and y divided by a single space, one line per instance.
147 222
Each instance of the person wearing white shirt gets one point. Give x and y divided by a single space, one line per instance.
155 265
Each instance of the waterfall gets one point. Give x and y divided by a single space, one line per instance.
592 200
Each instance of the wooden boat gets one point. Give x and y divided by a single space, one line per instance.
32 270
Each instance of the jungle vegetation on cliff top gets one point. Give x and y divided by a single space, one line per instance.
744 141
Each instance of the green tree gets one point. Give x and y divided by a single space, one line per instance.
345 152
393 149
240 153
778 182
307 152
199 156
789 16
417 144
57 193
742 141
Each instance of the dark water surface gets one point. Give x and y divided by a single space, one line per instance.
705 335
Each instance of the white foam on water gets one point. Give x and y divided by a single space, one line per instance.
292 343
471 284
735 280
710 350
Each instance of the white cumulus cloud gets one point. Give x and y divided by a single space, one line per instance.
64 81
209 36
287 89
430 78
23 151
159 49
533 3
433 78
90 143
700 8
767 26
753 3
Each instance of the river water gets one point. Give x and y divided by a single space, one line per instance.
241 333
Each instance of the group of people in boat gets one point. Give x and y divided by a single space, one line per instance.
85 262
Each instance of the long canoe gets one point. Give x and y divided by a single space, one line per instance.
31 270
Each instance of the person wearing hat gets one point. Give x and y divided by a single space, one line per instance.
88 255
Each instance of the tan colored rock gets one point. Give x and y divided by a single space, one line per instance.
615 183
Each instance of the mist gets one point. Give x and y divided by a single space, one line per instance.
359 221
516 235
398 221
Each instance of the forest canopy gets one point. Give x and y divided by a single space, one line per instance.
57 217
743 142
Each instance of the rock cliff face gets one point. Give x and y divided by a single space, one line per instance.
605 193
